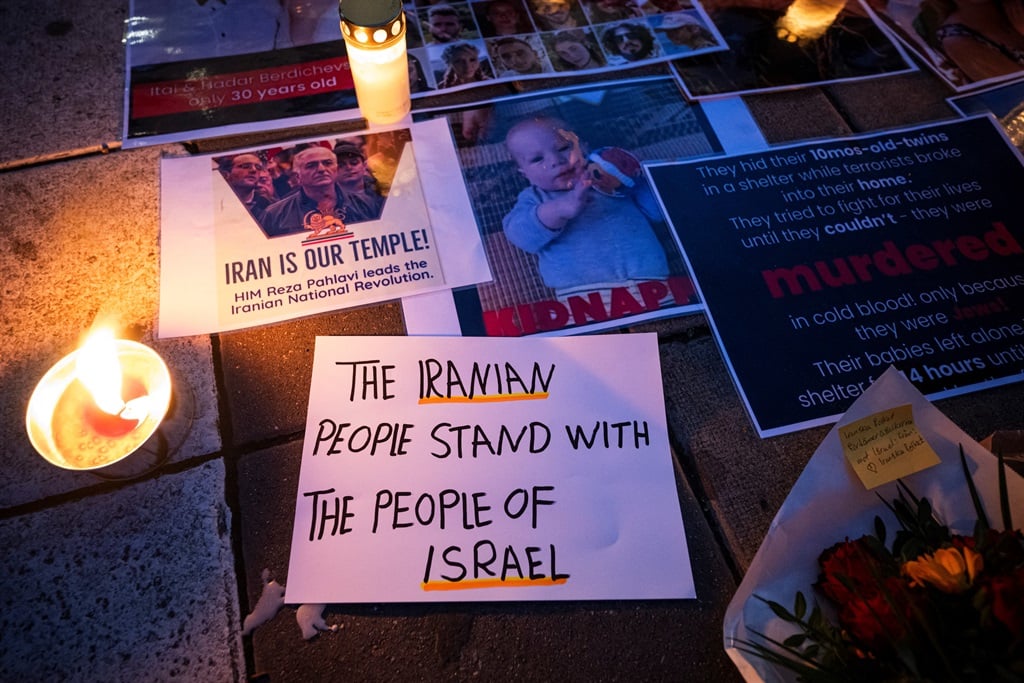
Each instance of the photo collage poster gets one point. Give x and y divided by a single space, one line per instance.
462 43
198 68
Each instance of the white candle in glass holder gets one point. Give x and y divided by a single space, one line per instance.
374 32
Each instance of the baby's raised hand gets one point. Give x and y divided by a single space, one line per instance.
555 213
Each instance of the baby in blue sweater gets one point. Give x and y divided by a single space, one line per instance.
585 238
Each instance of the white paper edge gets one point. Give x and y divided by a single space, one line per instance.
460 248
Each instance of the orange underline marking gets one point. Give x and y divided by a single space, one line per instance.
492 398
489 583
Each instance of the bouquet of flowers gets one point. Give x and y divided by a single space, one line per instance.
935 605
923 588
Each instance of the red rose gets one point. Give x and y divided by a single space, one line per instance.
879 620
959 541
1007 591
852 570
1003 550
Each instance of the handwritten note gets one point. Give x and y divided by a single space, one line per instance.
886 446
470 469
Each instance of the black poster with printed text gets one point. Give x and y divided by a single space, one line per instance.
823 264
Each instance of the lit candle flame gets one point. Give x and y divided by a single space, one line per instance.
99 370
807 20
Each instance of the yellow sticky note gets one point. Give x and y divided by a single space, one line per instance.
886 446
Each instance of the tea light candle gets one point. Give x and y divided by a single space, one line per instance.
807 20
99 404
374 33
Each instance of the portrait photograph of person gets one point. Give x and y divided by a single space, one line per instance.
554 15
572 231
461 63
629 41
445 23
518 56
682 32
574 50
502 18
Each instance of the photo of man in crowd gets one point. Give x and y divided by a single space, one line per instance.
334 181
243 174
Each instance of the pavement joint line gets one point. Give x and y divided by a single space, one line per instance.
105 486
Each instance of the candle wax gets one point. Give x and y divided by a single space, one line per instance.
113 425
381 79
87 437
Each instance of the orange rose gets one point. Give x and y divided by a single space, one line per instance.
951 570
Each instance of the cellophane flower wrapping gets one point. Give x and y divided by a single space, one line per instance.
828 504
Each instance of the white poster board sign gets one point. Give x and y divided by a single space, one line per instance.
468 469
242 246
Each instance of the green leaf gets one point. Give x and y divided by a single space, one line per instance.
800 605
924 512
904 488
978 509
795 640
1004 495
880 529
780 611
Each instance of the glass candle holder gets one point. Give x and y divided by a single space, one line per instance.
374 33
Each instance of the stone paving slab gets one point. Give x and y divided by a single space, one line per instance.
79 244
137 584
62 85
791 116
746 479
649 640
893 101
267 369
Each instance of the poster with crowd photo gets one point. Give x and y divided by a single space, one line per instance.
202 68
487 470
783 44
970 45
610 260
822 264
262 235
